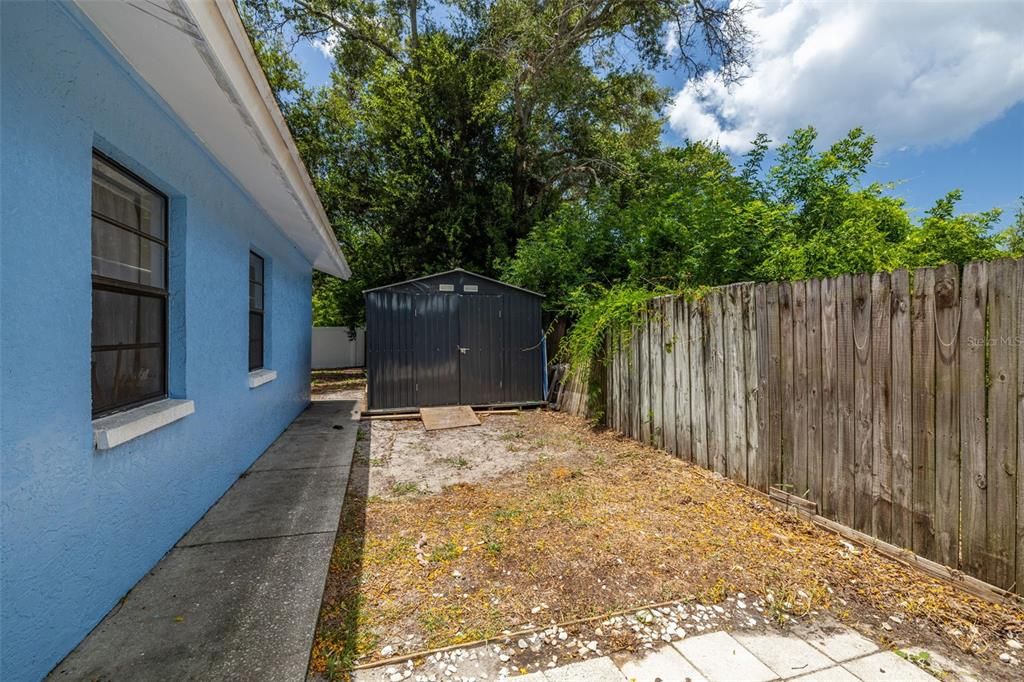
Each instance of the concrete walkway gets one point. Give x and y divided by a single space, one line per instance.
821 652
238 596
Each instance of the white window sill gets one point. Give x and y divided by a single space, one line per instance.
258 377
117 429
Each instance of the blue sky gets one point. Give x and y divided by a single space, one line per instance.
940 83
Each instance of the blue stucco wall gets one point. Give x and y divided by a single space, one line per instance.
79 526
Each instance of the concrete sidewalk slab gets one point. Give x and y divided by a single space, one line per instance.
885 666
720 658
238 597
786 656
302 450
664 664
225 611
274 503
836 641
595 670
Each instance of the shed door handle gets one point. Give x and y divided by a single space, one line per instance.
462 349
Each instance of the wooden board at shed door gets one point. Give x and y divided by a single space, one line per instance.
435 418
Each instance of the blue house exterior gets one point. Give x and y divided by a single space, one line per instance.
172 100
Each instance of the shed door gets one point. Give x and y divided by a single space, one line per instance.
437 350
480 325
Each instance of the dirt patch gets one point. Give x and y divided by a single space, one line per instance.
584 524
327 384
407 459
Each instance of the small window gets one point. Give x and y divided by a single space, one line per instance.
129 289
255 311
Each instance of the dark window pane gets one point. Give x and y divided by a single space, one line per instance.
255 296
123 255
124 200
123 318
126 376
255 268
255 340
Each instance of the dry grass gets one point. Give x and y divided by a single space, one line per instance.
602 524
331 380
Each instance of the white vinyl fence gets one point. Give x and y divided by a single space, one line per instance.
333 347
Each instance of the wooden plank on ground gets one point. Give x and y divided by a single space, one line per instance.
845 354
714 361
786 376
681 351
773 449
448 417
698 393
922 324
881 406
901 415
831 462
973 440
947 414
862 505
757 466
814 390
750 381
799 405
735 393
670 338
1002 423
657 375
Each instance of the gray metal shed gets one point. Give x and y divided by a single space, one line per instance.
454 338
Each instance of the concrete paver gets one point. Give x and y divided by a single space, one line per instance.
836 641
722 659
595 670
833 674
786 656
664 664
886 666
238 597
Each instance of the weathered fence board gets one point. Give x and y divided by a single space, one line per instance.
657 327
901 419
894 403
750 383
923 345
831 463
645 377
758 468
774 444
786 388
799 478
863 456
735 393
698 396
1002 424
846 405
681 351
714 359
947 428
974 475
669 389
814 407
881 390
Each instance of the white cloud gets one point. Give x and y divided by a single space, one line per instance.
911 73
327 44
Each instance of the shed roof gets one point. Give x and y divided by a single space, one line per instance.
195 56
449 272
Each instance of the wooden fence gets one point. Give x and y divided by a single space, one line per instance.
895 402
